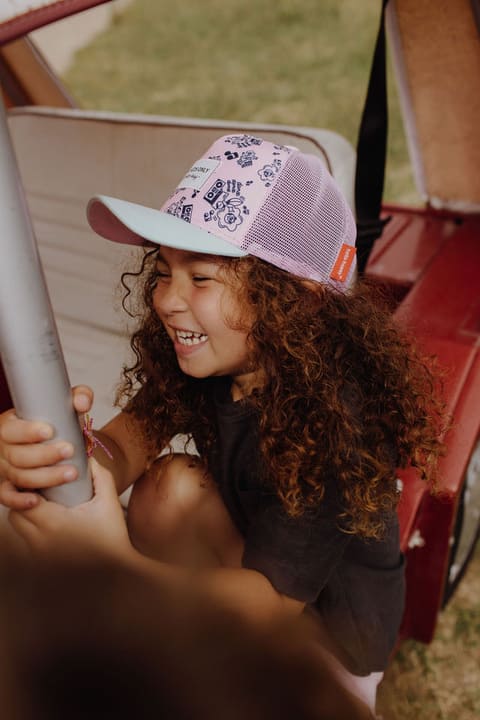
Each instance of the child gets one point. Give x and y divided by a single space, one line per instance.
301 394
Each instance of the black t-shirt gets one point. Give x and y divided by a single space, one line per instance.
355 585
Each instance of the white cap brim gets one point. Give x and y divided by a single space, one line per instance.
133 224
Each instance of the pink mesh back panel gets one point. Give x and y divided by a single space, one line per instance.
303 222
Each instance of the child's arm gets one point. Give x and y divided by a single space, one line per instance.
245 591
99 527
27 462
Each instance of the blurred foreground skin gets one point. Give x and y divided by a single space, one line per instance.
93 640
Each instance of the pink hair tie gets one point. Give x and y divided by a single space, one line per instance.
91 442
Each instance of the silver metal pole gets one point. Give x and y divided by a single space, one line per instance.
29 345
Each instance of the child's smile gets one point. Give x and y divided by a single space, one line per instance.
187 342
200 314
184 337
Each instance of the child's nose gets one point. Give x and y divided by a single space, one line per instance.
170 297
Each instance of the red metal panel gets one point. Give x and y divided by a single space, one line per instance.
408 243
430 517
426 569
436 257
445 303
427 565
5 399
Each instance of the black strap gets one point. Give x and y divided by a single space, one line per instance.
476 13
371 153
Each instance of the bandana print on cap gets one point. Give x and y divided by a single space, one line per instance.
223 192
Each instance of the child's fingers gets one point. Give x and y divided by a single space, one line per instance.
82 398
37 455
21 523
42 477
103 482
16 431
15 500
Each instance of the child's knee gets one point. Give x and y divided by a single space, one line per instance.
176 514
179 479
167 493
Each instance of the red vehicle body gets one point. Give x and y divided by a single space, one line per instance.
432 261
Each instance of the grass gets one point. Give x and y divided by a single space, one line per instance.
280 61
299 62
440 681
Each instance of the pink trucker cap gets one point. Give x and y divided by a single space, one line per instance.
246 196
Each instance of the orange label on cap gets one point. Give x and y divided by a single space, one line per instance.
343 263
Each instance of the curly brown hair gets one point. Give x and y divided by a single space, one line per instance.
346 392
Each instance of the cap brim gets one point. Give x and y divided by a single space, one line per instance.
133 224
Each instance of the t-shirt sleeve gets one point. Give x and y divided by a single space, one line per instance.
297 554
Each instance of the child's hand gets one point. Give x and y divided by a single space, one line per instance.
27 462
96 526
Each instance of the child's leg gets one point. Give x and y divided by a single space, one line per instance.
176 514
362 686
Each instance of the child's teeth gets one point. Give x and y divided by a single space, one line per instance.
190 338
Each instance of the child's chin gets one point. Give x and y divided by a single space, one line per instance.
193 372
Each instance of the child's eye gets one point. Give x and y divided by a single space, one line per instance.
200 278
161 272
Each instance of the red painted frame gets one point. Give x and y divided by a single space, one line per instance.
430 261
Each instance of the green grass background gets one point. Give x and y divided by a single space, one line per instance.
303 62
300 62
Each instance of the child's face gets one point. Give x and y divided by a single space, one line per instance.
200 314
